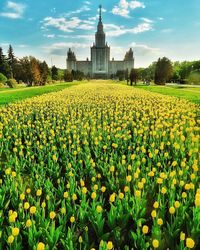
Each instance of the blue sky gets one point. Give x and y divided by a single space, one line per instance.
154 28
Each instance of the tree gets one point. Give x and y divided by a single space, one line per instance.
61 73
88 77
4 66
194 77
77 75
29 71
18 71
127 75
176 72
54 73
147 74
2 56
11 60
120 74
68 77
133 76
44 71
163 71
35 71
24 71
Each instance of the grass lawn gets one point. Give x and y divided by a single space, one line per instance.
13 95
191 94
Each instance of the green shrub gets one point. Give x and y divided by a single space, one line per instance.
194 77
12 83
3 78
2 85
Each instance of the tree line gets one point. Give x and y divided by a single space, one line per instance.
31 71
27 69
162 72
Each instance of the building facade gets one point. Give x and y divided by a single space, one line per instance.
100 65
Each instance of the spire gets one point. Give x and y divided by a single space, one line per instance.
100 24
100 13
100 35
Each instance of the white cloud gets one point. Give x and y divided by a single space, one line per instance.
22 45
67 25
120 12
87 2
147 20
86 37
60 49
49 35
113 30
84 8
13 10
136 4
58 23
94 18
4 44
143 49
124 6
145 54
85 26
141 28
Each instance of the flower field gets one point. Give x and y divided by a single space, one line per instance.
100 166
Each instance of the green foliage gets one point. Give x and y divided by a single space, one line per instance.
121 74
77 75
3 78
54 73
4 66
163 71
68 77
61 73
35 71
11 60
31 71
2 85
28 69
147 74
134 75
194 77
44 71
182 71
12 83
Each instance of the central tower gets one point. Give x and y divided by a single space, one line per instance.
100 52
100 37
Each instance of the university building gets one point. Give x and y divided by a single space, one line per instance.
100 65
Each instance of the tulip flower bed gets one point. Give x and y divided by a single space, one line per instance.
100 166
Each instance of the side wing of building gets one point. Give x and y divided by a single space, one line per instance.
85 67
